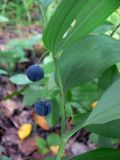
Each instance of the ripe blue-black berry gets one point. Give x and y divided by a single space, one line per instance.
35 72
42 108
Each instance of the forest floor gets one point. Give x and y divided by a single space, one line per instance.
13 113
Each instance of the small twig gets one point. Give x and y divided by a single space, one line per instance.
116 28
75 137
43 55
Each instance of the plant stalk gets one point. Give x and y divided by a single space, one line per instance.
72 132
65 138
27 12
42 10
62 110
62 94
61 149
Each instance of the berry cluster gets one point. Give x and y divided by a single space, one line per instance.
36 73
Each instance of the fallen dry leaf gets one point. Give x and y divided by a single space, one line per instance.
10 88
24 117
24 131
54 149
16 157
37 156
8 107
41 122
28 146
79 148
10 137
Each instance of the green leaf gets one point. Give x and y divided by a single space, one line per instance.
3 19
110 129
27 3
108 107
80 118
114 18
42 145
45 2
104 28
24 43
84 95
4 158
94 138
49 68
104 142
3 72
20 79
87 59
31 99
75 19
108 77
54 116
53 139
99 154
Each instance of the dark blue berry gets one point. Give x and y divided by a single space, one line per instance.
42 108
35 73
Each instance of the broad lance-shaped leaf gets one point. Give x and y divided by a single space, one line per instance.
86 15
87 59
108 77
110 129
99 154
108 108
